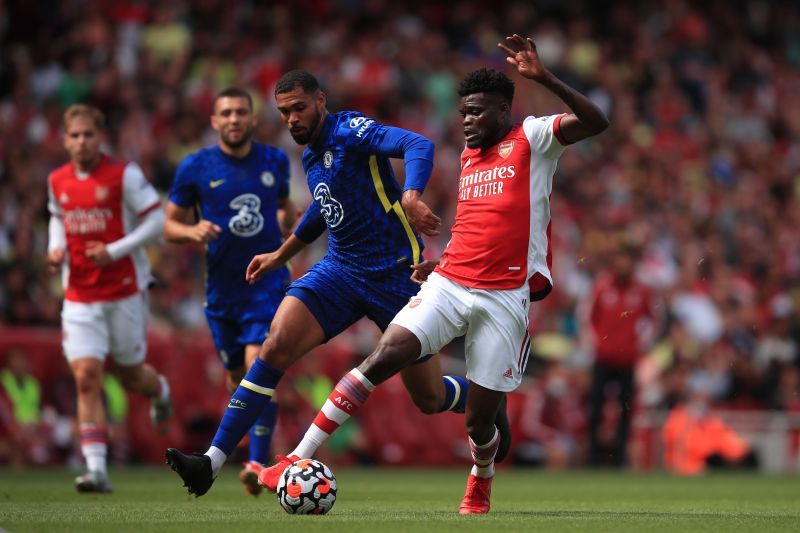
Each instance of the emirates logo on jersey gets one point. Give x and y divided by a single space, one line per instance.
505 148
101 193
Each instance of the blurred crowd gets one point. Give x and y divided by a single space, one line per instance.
700 168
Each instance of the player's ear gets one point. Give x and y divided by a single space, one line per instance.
214 123
322 99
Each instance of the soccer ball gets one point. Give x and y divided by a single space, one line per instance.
307 487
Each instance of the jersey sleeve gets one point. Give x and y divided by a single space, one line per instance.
367 135
312 225
183 192
282 174
544 135
139 195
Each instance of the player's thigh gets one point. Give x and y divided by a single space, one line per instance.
497 342
330 296
294 332
84 331
127 326
436 314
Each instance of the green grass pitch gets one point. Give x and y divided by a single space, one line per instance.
388 500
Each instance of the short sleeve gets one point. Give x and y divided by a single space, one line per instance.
140 196
183 192
52 203
359 132
544 135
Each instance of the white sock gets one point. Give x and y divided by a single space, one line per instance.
312 440
483 456
218 459
95 455
164 388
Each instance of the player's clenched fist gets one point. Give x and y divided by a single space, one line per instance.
204 231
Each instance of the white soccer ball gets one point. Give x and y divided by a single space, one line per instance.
307 486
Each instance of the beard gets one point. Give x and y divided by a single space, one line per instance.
303 135
244 139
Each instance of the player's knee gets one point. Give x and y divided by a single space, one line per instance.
277 351
88 380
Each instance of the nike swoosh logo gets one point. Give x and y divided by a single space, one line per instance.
235 406
216 183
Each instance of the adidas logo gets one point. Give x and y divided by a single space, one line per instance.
508 374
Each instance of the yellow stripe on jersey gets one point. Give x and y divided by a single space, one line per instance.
257 388
396 207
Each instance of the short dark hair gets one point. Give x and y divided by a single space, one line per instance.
235 92
297 78
487 80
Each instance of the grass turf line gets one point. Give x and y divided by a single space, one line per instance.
389 500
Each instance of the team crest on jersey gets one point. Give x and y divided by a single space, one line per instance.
332 210
267 178
63 199
101 193
505 148
327 159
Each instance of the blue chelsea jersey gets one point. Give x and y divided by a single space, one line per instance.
241 196
357 195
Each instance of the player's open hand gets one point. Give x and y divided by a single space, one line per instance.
422 271
55 258
97 253
419 215
522 54
260 265
204 231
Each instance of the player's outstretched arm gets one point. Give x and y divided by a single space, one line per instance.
177 228
587 119
263 263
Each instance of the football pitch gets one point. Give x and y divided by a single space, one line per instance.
386 500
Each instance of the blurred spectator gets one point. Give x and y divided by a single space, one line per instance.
695 438
23 437
620 320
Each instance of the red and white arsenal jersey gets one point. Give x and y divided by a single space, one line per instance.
104 206
501 235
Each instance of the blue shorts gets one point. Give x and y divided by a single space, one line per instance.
235 325
339 297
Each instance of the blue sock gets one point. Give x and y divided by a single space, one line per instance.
455 393
246 405
261 433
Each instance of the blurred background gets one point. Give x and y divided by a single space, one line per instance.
671 338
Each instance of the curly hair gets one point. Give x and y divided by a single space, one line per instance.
487 80
297 78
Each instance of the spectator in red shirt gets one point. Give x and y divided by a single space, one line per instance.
618 316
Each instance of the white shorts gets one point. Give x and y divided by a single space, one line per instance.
96 329
494 321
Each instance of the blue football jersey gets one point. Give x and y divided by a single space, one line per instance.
240 196
357 195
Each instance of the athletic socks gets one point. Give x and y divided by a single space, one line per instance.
245 407
346 399
261 433
483 456
455 394
94 446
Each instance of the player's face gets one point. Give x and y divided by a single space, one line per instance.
234 120
483 117
82 139
302 113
